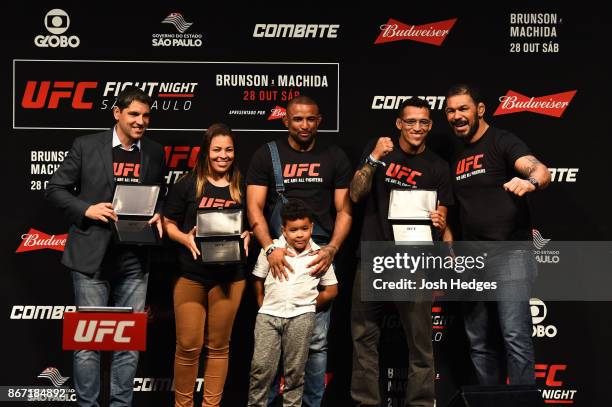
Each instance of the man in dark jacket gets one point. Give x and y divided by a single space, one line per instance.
105 273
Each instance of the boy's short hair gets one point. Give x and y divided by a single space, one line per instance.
295 209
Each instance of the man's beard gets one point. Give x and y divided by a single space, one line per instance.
303 143
467 137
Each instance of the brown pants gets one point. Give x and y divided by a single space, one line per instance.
204 316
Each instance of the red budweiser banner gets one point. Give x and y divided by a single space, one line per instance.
277 113
549 105
432 33
105 331
37 240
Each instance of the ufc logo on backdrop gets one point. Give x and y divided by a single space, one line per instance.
549 372
48 96
299 170
104 331
177 154
468 163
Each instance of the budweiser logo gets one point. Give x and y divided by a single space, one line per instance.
277 113
432 33
549 105
36 240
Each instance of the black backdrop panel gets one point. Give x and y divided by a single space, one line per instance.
60 79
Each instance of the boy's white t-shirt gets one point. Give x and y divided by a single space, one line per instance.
298 294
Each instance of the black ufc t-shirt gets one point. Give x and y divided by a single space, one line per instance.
403 171
181 206
311 176
126 164
479 170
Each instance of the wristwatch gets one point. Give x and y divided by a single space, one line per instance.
534 182
371 161
270 249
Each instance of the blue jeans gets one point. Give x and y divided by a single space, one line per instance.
486 320
125 285
316 365
314 375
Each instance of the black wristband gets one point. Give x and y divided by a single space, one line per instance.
534 182
371 161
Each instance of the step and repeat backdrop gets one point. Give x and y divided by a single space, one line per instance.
541 66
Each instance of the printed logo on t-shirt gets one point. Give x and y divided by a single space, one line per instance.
470 166
126 172
207 202
402 175
302 172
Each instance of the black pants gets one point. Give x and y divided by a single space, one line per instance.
365 330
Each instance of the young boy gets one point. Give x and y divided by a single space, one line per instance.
287 309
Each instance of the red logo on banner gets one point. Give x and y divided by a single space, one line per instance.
176 154
555 392
548 372
61 90
549 105
37 240
105 331
432 33
277 113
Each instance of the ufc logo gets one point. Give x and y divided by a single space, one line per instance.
468 163
61 90
298 170
94 331
124 169
176 154
549 372
215 203
104 331
399 171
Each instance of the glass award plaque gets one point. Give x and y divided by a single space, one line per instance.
218 235
134 205
219 222
221 251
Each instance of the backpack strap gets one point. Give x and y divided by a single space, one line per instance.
278 174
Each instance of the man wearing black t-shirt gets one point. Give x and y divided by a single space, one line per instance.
402 164
319 174
104 273
492 172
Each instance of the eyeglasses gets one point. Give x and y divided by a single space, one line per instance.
413 122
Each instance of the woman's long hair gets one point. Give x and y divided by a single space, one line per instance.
202 170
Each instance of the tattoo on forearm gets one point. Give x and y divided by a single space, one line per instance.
361 183
528 169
